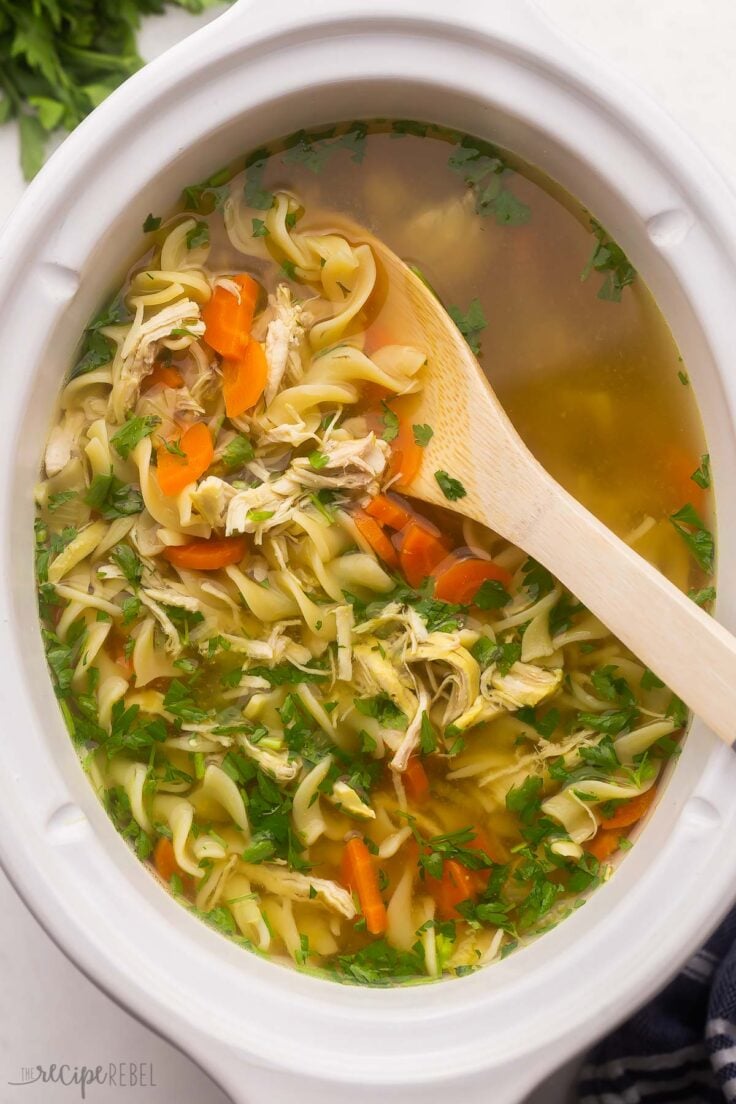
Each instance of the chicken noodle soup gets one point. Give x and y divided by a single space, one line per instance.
349 733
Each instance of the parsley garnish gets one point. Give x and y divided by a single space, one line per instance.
471 324
490 595
198 235
260 230
134 430
255 194
257 516
208 196
482 168
152 223
423 434
237 452
126 559
696 536
451 488
703 596
610 259
701 475
58 499
390 422
318 460
112 498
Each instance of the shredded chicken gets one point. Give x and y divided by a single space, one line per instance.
283 335
526 684
300 887
141 346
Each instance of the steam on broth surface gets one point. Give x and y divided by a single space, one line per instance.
351 733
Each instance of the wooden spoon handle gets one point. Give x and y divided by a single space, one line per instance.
675 638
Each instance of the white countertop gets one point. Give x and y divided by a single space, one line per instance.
681 51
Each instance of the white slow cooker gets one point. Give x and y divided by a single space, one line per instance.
493 68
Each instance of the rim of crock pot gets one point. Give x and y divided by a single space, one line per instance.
454 1057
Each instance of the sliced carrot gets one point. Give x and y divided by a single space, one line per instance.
389 510
359 874
421 548
164 375
164 859
207 555
228 319
244 379
454 886
416 782
406 456
630 811
177 472
372 532
460 579
603 845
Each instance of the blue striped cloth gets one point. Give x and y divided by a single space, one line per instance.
681 1047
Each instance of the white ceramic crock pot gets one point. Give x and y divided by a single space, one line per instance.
495 69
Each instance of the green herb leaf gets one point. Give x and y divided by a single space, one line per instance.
260 230
126 559
423 434
391 423
491 595
198 235
451 488
112 498
700 597
696 536
318 460
471 324
237 452
152 223
609 259
701 475
134 430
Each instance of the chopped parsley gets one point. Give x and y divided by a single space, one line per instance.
451 488
237 452
701 475
609 259
696 536
390 422
484 170
703 596
134 430
318 460
152 223
491 595
423 434
471 324
112 498
198 235
260 230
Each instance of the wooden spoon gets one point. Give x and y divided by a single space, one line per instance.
509 491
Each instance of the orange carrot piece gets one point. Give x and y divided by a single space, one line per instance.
630 811
360 875
162 374
421 549
376 337
603 845
372 532
228 321
416 782
207 555
679 467
460 580
164 859
481 841
390 511
177 472
454 886
406 456
244 379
